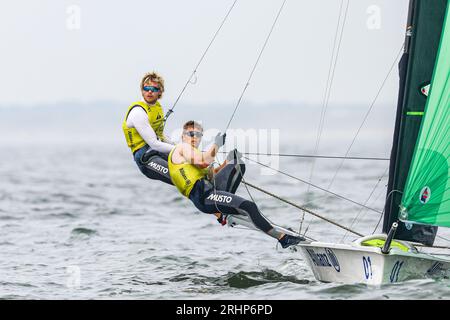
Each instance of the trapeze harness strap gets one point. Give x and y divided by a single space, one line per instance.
185 175
155 118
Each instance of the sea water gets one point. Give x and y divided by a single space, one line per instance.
79 221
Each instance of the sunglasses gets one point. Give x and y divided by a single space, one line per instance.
151 88
193 134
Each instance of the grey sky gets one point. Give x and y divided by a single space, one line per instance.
43 61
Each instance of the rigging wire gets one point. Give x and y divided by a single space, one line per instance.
302 208
366 116
383 191
313 185
367 113
365 203
251 75
330 78
437 236
255 65
348 229
329 84
443 238
322 217
387 198
170 111
326 100
250 194
248 83
310 156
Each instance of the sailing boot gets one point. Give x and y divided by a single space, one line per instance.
222 219
288 240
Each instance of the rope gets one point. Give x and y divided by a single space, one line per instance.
329 84
382 192
365 117
365 203
315 186
301 208
367 113
250 77
310 156
256 64
170 111
322 217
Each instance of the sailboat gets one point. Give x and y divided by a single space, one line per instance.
418 195
418 192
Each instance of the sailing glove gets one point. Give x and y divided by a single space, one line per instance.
219 140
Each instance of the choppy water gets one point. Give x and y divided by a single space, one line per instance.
81 222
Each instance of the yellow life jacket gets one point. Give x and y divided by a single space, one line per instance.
185 175
155 118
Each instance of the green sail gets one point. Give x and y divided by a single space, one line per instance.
426 197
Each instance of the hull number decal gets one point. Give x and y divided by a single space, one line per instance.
367 268
395 271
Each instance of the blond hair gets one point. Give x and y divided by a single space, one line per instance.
192 124
154 77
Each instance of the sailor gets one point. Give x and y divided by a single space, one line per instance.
190 172
143 127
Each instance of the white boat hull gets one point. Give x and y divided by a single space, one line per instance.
354 263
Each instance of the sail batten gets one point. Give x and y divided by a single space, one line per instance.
427 190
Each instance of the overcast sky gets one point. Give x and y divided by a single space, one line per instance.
55 51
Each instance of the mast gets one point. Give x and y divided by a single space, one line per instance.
424 26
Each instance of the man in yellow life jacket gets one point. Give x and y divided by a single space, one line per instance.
143 128
188 169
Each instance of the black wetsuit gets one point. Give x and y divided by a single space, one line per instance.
153 164
218 196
